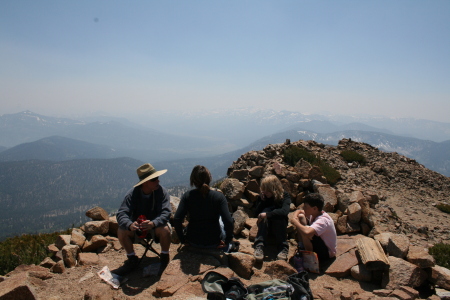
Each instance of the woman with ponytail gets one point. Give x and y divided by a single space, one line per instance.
210 223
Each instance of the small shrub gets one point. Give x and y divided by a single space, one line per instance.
351 156
441 253
293 154
25 250
444 207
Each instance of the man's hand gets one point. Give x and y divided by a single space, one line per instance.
146 225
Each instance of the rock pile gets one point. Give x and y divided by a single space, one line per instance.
375 245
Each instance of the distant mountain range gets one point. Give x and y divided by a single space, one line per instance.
141 143
47 183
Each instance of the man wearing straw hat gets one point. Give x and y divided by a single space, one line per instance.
150 199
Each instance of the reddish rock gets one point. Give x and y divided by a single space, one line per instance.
441 277
86 259
17 287
398 245
242 264
401 273
62 240
97 214
96 227
279 269
420 257
342 265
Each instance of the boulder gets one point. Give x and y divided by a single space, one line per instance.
97 241
97 214
398 245
96 227
329 197
441 277
443 294
420 257
303 168
401 273
113 226
342 265
17 287
62 240
77 237
256 172
383 239
47 263
343 200
242 264
240 174
70 255
86 259
279 269
361 273
58 268
239 217
232 188
353 212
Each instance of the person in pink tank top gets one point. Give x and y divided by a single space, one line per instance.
315 228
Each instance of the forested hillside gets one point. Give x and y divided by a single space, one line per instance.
44 196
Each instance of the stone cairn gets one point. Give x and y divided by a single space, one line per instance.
368 249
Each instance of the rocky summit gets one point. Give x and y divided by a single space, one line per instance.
384 206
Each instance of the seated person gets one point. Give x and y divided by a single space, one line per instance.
272 209
315 228
210 222
151 200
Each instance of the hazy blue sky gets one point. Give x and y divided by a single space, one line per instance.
389 58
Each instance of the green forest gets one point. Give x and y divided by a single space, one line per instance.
42 196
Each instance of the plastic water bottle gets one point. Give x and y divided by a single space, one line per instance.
141 233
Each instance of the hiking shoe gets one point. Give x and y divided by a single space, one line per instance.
164 261
283 255
259 253
129 265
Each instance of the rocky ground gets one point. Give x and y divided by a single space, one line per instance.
408 194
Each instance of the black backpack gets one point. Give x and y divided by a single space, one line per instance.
218 287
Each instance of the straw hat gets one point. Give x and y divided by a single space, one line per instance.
147 172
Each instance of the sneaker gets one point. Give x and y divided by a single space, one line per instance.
259 253
283 255
164 260
129 265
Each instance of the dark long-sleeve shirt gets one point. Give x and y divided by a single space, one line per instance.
203 213
156 207
279 209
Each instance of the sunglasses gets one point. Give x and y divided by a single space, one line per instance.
154 179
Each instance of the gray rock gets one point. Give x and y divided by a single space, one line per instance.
96 227
329 197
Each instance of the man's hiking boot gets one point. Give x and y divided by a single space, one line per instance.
283 255
129 265
164 260
259 253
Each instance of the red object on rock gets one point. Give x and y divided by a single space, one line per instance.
141 233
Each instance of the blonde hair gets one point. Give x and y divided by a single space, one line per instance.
272 184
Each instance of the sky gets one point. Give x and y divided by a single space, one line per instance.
389 58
